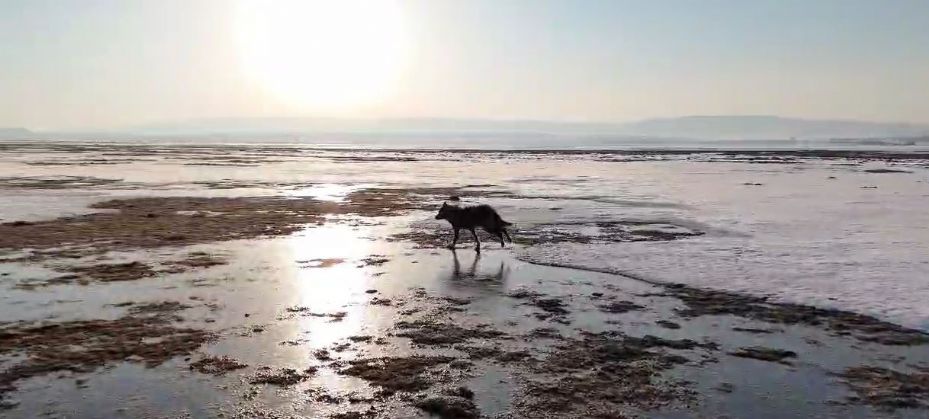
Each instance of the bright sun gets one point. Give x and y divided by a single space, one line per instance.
323 54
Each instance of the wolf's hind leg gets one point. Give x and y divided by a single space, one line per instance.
476 240
507 234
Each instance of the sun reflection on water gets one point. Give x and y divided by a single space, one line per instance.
332 279
327 191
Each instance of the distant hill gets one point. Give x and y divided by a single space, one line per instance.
769 127
15 133
689 127
238 126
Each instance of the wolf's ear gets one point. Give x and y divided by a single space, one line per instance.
444 204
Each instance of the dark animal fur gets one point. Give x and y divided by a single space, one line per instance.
469 218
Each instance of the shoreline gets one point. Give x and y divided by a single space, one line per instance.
879 153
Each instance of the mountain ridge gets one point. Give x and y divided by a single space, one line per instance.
694 127
718 127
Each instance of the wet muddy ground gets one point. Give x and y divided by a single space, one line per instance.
239 297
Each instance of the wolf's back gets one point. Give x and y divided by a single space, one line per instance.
501 221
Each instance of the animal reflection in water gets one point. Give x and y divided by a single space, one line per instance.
472 272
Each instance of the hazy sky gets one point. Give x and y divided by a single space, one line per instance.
107 64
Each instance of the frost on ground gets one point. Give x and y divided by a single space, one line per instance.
813 236
892 290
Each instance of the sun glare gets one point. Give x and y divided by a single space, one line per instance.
323 55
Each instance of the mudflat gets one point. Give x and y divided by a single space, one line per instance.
273 281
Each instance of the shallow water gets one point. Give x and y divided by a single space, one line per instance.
802 231
823 232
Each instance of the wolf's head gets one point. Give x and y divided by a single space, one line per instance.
444 212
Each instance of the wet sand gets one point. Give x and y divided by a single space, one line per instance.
342 301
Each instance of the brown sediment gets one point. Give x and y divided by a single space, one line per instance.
701 302
164 307
214 365
282 377
226 161
85 162
354 398
479 352
553 306
460 364
377 301
373 260
55 182
31 284
364 159
601 374
110 272
238 158
155 222
886 171
221 164
651 341
617 307
39 255
306 312
85 345
430 332
83 275
199 260
521 293
449 407
495 353
393 374
103 272
888 389
724 387
460 391
667 324
544 333
456 301
765 354
322 396
754 330
370 413
294 342
180 221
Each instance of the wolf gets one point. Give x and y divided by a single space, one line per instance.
469 218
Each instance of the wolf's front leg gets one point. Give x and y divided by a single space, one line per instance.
454 240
